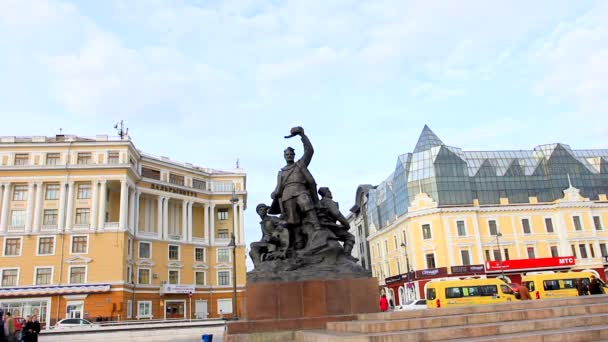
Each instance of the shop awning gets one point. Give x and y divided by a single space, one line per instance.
52 290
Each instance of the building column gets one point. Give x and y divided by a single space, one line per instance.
136 213
5 199
212 224
29 211
159 217
184 231
103 190
124 202
95 206
206 222
69 215
235 229
242 223
38 207
480 252
166 218
448 240
61 213
132 210
190 207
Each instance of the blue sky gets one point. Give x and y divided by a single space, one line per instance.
208 81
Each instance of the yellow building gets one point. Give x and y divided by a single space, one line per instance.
445 212
94 228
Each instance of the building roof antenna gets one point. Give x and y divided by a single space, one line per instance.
123 132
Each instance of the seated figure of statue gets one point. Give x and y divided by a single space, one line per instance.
275 238
331 217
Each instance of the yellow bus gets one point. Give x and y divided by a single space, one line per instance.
555 285
442 293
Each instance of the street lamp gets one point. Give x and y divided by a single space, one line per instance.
234 200
502 271
407 260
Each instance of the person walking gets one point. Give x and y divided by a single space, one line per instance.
31 329
524 294
595 287
383 303
581 288
9 328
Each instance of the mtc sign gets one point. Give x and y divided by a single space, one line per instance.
530 264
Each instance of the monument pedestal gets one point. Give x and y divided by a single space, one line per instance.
276 310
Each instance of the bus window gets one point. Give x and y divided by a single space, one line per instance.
529 285
453 292
489 290
430 294
506 289
551 285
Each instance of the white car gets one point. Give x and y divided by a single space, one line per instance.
412 305
75 323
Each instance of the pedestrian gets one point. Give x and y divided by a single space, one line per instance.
32 329
2 334
390 304
383 303
9 328
595 287
524 294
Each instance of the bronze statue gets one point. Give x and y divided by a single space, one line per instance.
303 242
329 213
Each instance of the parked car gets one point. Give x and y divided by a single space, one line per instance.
412 305
75 323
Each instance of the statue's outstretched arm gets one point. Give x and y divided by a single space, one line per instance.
308 149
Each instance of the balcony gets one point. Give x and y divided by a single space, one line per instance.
175 237
49 228
81 226
110 225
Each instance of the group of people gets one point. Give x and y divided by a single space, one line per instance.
593 288
13 330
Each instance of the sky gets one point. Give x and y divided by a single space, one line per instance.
208 82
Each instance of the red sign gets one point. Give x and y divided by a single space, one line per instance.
530 263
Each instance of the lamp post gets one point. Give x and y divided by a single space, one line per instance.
502 271
407 262
234 199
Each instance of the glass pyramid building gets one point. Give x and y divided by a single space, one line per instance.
453 177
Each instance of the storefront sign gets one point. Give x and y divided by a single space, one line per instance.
467 269
401 277
168 288
432 273
517 264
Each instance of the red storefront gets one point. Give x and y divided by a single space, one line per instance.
515 268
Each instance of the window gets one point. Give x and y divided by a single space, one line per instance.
113 157
79 244
150 173
144 309
50 217
603 249
430 260
573 250
222 233
52 158
84 158
77 275
549 225
492 226
129 274
525 223
129 247
9 277
497 255
591 250
144 250
173 252
554 252
83 215
530 251
506 254
12 246
199 254
46 245
223 278
386 246
488 255
199 184
20 193
44 275
222 214
22 159
52 192
199 278
582 248
395 243
18 218
176 179
577 223
129 309
461 229
173 277
426 231
84 191
223 255
597 222
466 259
143 276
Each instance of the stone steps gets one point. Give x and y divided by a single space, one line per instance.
567 319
